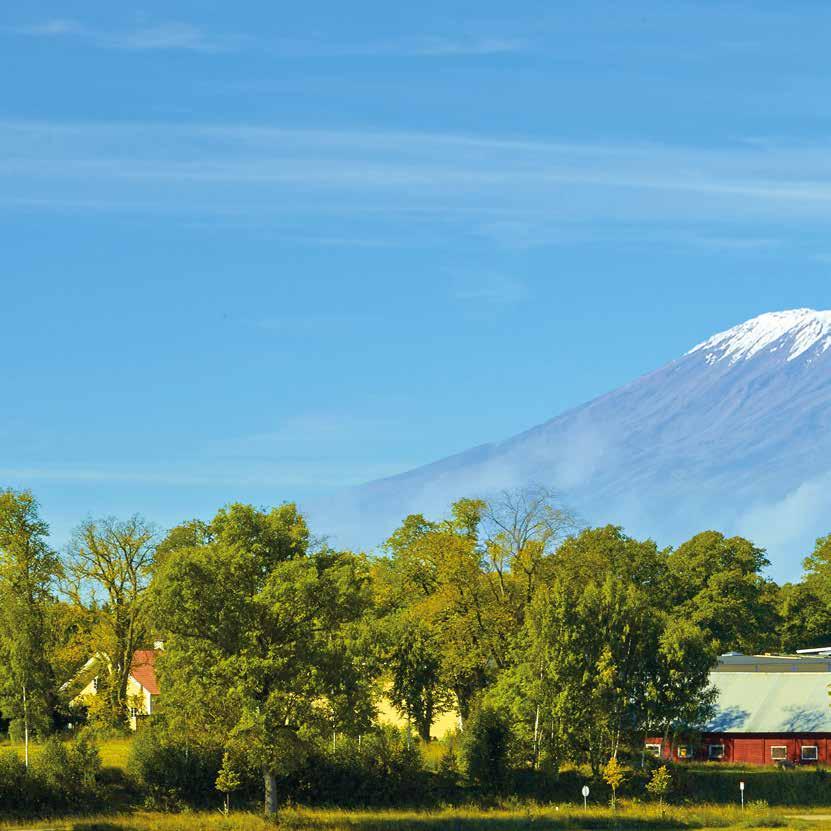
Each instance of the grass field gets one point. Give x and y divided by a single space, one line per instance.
114 751
549 818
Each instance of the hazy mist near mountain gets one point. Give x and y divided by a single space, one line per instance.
734 435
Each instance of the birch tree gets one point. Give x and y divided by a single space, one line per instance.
28 571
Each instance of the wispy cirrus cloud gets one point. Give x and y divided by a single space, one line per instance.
192 37
290 472
424 47
168 35
518 190
492 289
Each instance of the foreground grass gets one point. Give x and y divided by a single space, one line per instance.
538 818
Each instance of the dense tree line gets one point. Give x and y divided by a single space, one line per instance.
550 642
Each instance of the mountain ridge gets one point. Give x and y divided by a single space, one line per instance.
724 436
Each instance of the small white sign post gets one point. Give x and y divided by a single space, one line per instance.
741 791
585 796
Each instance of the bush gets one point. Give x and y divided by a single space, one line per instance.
170 774
380 770
67 774
15 786
485 751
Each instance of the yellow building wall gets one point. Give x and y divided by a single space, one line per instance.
138 697
444 724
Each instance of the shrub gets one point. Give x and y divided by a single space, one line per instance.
614 775
659 784
485 751
380 769
67 774
15 785
171 774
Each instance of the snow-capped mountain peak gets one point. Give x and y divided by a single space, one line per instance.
795 331
734 436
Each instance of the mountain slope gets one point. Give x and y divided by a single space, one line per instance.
733 435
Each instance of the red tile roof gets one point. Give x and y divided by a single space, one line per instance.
144 669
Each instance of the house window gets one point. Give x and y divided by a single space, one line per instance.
684 751
810 753
779 752
654 750
715 751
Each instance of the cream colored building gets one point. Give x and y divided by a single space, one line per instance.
142 685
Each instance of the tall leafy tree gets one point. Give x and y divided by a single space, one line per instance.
804 608
438 610
718 584
263 645
599 659
28 571
109 565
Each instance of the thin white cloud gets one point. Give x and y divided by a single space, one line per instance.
427 47
51 28
169 35
290 473
476 182
496 289
188 36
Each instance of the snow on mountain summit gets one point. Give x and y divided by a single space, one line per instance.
797 330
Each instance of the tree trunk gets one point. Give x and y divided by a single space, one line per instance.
26 726
270 801
536 737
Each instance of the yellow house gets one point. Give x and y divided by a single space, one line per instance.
143 693
142 685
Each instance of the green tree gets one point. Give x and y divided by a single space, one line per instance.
260 639
227 781
804 608
601 658
659 784
28 571
417 690
485 750
679 697
804 615
520 530
817 567
467 581
718 585
434 612
109 565
614 775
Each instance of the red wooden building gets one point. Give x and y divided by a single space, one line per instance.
771 709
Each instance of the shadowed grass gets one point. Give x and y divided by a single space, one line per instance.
527 818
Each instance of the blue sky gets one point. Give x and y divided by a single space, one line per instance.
261 251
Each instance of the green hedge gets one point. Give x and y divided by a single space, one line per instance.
717 783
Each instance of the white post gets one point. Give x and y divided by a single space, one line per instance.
741 791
